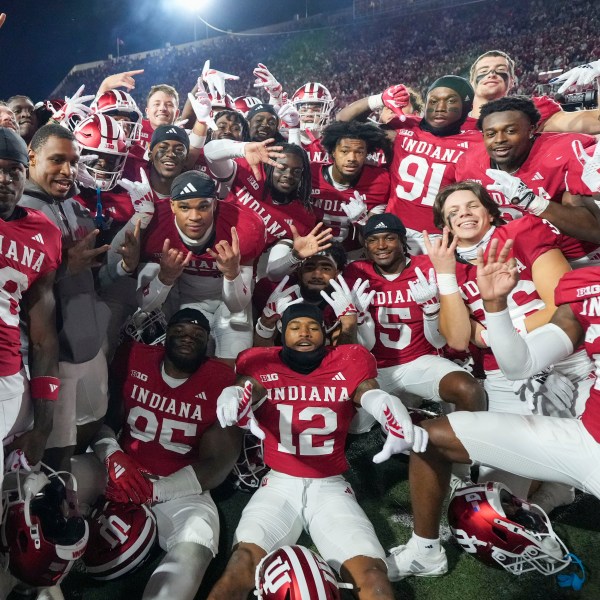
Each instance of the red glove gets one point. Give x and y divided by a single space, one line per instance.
126 481
396 98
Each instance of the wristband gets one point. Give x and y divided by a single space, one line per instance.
447 283
265 333
537 206
197 141
45 387
375 102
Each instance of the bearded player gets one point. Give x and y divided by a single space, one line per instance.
305 395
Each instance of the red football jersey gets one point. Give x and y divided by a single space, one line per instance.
116 204
544 172
423 164
581 290
146 133
399 329
532 238
30 247
374 183
250 230
306 417
545 105
245 190
164 425
316 153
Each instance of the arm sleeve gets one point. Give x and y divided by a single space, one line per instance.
520 357
366 332
431 327
151 292
236 293
281 261
219 156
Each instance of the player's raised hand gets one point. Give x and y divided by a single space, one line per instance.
425 292
2 18
497 275
581 75
308 245
234 407
227 256
362 298
288 114
215 80
117 80
172 263
142 197
441 251
130 249
396 98
356 208
83 255
74 107
266 80
262 152
340 299
280 298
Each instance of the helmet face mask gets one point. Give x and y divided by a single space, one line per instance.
502 530
295 573
101 135
42 532
250 467
146 327
314 104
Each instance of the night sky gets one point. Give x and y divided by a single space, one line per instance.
42 39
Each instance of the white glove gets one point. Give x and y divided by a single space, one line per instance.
266 80
425 292
402 435
288 115
516 192
581 75
356 209
591 165
142 197
15 461
281 298
341 298
216 80
547 393
83 175
361 298
202 106
234 407
73 107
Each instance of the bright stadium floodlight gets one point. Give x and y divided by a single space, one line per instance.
189 5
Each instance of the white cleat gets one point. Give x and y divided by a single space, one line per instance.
404 561
552 495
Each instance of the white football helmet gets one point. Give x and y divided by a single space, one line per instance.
314 104
146 327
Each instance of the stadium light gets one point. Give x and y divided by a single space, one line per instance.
192 6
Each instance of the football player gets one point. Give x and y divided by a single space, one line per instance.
469 215
347 190
199 251
530 173
492 76
425 149
170 453
162 108
7 117
83 318
406 337
24 110
306 394
30 255
522 444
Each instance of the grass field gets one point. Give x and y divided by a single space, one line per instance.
383 492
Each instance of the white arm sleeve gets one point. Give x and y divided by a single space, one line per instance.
281 261
151 293
237 292
432 331
366 332
294 136
521 357
219 156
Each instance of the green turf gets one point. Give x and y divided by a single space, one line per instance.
383 492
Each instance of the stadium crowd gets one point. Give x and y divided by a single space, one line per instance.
402 236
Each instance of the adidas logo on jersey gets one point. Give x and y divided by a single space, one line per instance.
339 377
463 145
38 238
537 177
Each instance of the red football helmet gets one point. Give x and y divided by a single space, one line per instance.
314 104
101 135
146 327
250 466
122 107
121 539
502 530
42 532
243 104
219 102
295 573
